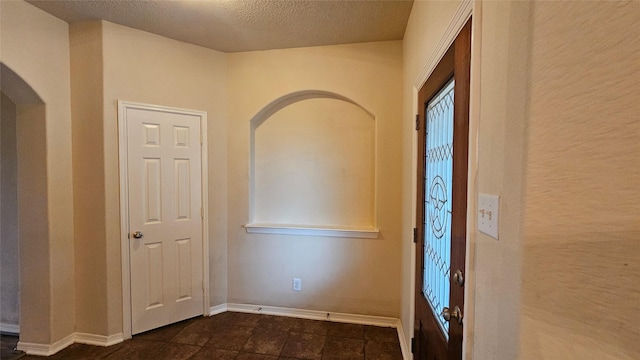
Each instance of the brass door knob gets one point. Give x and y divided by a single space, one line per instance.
456 313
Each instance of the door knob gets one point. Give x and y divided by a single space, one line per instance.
138 234
455 314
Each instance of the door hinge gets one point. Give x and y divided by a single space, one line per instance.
202 212
417 122
201 139
415 235
413 345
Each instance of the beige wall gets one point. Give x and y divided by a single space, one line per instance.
314 164
37 301
9 245
88 177
580 281
35 46
338 274
147 68
500 170
557 140
111 63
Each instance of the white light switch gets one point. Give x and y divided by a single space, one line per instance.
488 214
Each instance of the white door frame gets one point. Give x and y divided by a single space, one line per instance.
124 204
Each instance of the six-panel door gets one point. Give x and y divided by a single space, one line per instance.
165 223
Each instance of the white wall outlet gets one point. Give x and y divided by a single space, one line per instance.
488 214
297 284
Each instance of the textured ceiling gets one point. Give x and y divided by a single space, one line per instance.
247 25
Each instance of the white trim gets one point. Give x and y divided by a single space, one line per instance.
459 19
98 340
404 346
124 205
9 328
311 230
218 309
124 222
414 194
46 349
205 209
80 338
315 315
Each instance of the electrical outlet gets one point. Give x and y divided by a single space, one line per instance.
297 284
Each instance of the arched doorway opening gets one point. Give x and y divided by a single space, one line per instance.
24 230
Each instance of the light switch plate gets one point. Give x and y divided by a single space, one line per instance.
297 284
488 214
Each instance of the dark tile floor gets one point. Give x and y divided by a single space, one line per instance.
240 336
7 348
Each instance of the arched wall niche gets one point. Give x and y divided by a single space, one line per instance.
28 183
313 167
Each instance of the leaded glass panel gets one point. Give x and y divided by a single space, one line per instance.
438 180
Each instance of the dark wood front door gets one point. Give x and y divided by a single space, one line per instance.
442 204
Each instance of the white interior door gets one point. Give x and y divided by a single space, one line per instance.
165 217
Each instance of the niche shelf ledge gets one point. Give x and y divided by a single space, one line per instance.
313 230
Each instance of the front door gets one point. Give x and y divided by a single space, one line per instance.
165 216
442 204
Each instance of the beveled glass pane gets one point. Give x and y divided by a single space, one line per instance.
438 180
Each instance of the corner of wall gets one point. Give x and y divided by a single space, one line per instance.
88 176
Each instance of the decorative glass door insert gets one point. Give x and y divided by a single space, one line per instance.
438 165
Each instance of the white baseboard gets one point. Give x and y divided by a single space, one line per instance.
309 314
81 338
218 309
46 349
9 328
404 345
99 340
315 315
